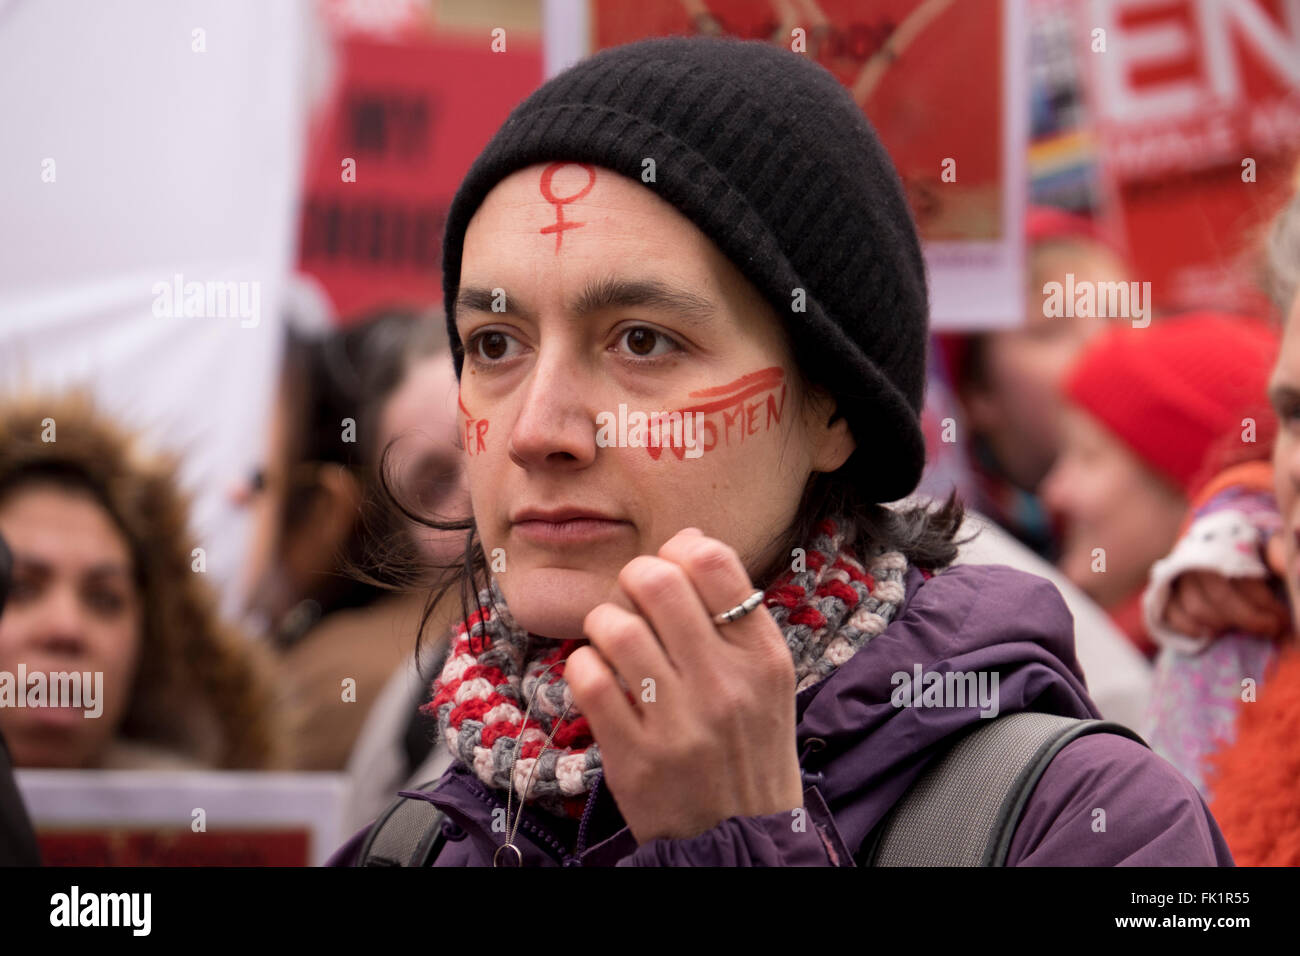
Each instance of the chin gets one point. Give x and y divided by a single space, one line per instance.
552 602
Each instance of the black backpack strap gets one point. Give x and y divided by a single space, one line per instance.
408 833
964 808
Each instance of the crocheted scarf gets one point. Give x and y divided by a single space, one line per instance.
828 609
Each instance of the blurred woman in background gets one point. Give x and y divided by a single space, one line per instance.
105 580
326 586
1008 382
1146 406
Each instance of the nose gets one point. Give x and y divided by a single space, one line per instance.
1054 491
554 426
61 623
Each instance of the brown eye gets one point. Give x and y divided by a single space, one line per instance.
492 345
641 341
105 602
647 343
489 347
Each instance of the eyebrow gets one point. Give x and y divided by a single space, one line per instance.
600 294
31 564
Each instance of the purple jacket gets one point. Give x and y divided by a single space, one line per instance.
859 753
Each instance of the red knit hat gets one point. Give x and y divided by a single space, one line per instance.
1171 390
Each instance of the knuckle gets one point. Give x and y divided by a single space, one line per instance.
578 673
710 556
620 636
611 629
594 620
650 576
589 679
728 699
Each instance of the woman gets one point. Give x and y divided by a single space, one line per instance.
106 582
1147 407
710 228
390 376
1009 382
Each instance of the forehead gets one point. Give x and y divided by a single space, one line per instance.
565 214
49 522
1081 430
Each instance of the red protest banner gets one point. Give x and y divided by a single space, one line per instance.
411 113
1198 110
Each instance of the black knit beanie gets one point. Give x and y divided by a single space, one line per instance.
769 156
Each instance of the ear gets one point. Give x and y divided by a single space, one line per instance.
832 440
336 507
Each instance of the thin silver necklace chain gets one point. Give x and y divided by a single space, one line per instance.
513 829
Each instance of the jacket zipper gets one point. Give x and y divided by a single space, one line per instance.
559 855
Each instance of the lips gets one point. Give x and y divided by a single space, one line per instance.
565 526
558 515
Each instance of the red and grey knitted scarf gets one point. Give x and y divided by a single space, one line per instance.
828 608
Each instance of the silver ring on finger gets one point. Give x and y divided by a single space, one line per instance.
740 610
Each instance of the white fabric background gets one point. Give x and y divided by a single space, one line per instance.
167 160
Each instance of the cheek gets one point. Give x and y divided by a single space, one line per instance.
476 436
1131 506
1053 361
11 638
119 643
1114 489
483 483
743 495
1029 374
121 661
1092 489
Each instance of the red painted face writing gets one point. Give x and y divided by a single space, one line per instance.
728 417
740 417
475 431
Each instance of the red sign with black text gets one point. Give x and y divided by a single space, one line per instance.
410 116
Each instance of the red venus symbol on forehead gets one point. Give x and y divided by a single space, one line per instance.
559 202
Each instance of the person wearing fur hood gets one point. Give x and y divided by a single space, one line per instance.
104 585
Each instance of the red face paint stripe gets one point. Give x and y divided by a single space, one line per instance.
730 402
772 376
